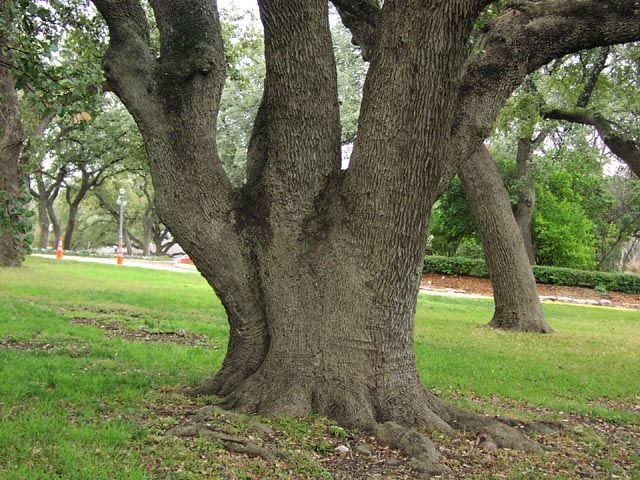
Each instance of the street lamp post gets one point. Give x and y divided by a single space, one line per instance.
122 202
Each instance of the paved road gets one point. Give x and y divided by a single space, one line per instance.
128 262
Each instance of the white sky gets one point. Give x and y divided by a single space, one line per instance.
241 4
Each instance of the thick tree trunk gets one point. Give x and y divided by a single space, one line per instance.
526 197
517 306
11 142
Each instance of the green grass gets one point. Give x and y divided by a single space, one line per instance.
79 405
591 361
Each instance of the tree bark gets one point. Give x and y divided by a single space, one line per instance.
146 236
11 142
70 227
517 306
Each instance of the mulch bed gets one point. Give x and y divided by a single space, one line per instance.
482 286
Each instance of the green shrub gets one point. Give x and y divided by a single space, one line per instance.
617 282
474 267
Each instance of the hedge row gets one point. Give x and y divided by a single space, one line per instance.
617 282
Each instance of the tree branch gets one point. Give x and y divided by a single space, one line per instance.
627 149
190 40
128 63
299 112
361 18
592 77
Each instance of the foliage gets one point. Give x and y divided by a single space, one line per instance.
451 221
587 224
617 282
105 147
351 74
58 46
242 92
563 233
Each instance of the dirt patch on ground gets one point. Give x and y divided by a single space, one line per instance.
454 284
179 336
11 344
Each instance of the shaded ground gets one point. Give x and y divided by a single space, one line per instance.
454 284
577 446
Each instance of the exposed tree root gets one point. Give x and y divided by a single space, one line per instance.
494 432
392 425
423 454
210 422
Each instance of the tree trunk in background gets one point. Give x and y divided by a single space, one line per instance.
45 224
11 142
57 228
70 227
517 305
526 197
127 242
148 222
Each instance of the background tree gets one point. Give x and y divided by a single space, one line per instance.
517 306
318 268
105 147
576 148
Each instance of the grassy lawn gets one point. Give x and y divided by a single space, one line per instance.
92 358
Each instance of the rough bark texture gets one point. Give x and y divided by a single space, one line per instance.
318 269
517 306
11 141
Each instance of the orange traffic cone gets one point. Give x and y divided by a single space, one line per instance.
59 252
120 254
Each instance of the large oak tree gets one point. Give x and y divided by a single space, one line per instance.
318 268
